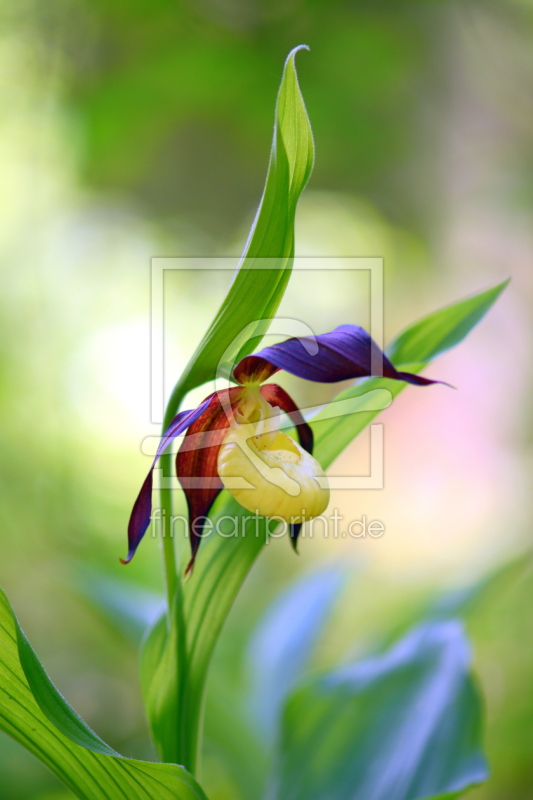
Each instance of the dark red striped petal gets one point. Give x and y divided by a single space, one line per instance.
196 461
278 397
252 369
343 354
142 508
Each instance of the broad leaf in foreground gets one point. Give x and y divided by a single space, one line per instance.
405 725
34 713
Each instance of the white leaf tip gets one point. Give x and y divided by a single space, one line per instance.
296 50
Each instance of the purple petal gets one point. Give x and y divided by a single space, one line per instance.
142 508
343 354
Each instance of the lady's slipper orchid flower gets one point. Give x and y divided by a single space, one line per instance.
233 439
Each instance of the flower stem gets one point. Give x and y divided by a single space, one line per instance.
176 621
172 579
172 582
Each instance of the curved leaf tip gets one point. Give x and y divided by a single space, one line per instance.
297 50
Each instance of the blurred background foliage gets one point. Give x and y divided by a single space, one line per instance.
141 128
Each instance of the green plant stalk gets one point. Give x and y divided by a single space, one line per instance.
187 751
172 581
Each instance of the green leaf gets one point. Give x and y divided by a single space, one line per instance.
258 287
404 725
443 329
413 349
127 605
180 658
34 713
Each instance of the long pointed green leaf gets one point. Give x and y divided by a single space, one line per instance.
258 287
442 330
413 349
33 712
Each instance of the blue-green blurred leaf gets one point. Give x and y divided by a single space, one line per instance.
461 602
404 725
130 607
284 640
34 713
